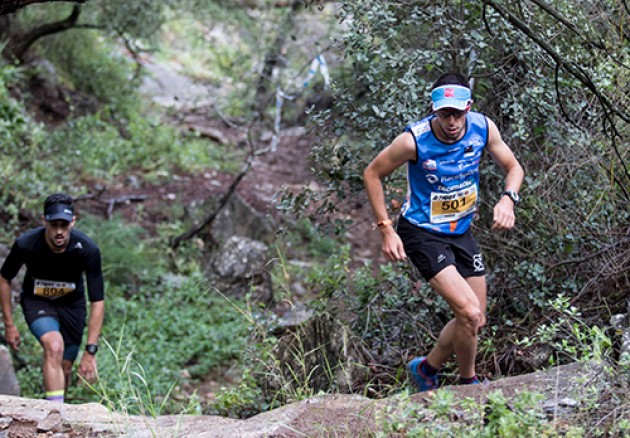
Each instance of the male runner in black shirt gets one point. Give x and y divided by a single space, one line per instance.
53 293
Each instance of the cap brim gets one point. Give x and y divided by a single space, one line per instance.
59 217
457 104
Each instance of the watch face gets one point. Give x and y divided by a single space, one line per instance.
91 348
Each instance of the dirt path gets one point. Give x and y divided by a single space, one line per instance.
287 167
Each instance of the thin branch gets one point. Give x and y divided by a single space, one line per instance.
609 108
576 71
559 97
590 256
224 198
122 200
599 45
112 202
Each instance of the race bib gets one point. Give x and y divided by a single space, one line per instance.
52 289
448 207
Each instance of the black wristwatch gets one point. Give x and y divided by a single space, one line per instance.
513 196
91 349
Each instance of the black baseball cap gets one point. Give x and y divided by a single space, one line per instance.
59 211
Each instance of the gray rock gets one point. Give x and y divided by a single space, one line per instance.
239 218
8 381
240 266
297 289
46 72
563 406
53 422
240 258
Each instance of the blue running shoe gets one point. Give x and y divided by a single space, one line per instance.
472 381
421 380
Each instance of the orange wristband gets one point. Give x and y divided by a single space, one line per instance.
383 223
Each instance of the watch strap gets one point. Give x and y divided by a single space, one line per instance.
91 349
512 195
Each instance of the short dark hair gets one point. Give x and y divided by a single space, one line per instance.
59 198
451 79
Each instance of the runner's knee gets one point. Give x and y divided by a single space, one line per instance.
470 318
53 347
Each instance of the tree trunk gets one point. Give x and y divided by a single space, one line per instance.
10 6
18 46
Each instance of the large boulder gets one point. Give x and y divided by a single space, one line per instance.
8 381
240 267
239 218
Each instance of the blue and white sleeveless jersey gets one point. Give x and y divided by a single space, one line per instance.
443 183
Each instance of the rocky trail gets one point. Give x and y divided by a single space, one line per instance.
564 388
564 391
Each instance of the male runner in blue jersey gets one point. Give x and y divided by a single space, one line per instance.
53 294
442 153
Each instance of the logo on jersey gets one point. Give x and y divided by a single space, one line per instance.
420 128
432 178
476 141
455 187
469 151
429 165
463 175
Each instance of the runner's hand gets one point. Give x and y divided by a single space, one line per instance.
13 336
504 215
87 368
392 246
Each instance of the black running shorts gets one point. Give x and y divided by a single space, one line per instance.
431 252
71 318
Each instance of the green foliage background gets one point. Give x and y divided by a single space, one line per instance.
575 194
164 321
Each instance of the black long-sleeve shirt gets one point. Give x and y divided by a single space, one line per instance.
56 276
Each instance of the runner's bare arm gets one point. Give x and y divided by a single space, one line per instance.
401 150
504 209
87 367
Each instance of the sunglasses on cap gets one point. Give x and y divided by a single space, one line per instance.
446 113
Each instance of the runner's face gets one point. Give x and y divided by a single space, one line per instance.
58 234
451 124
